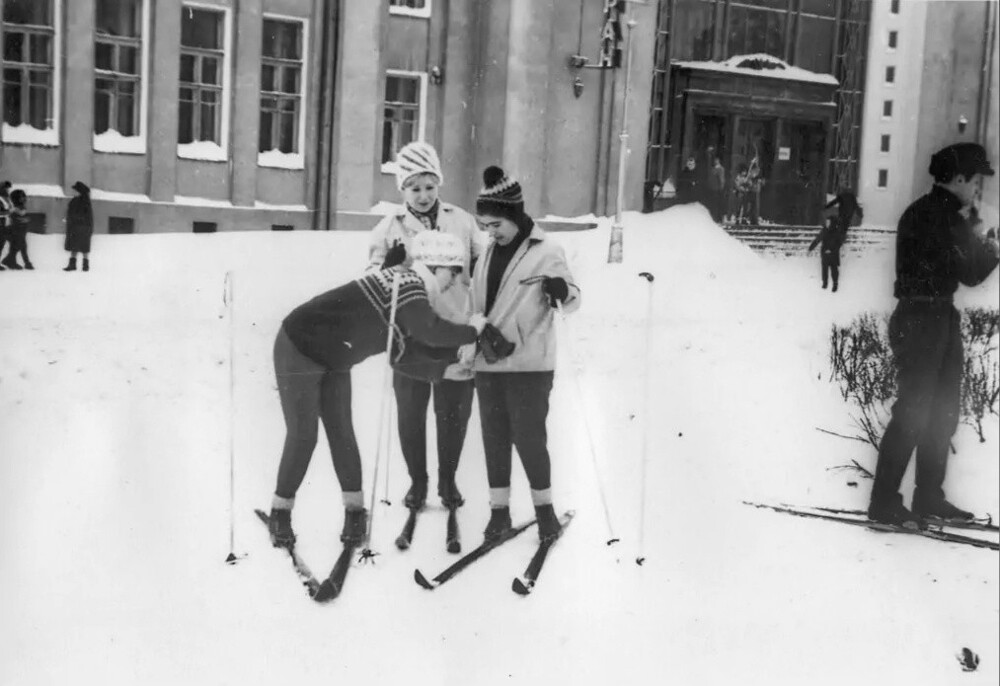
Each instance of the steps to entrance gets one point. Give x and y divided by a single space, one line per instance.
792 240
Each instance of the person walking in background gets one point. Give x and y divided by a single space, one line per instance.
79 227
936 249
318 345
418 178
833 236
518 283
6 206
716 196
18 231
687 182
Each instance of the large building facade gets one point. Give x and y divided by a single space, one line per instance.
203 115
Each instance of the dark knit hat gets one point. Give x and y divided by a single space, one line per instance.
966 159
81 187
500 196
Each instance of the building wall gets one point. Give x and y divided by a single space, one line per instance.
883 205
155 186
950 42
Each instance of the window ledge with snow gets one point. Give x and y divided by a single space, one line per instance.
112 141
281 160
388 167
208 151
420 12
29 135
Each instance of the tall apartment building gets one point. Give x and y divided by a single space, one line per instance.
932 81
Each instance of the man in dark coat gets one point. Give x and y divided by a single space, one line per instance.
79 227
937 248
834 234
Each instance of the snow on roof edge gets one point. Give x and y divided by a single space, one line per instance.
786 71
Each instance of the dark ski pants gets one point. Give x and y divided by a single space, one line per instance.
926 340
830 263
452 408
513 407
309 393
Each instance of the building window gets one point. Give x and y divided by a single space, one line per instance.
119 66
885 142
894 7
893 40
282 86
204 227
412 8
31 71
282 227
883 178
120 225
202 126
890 75
404 111
887 109
37 222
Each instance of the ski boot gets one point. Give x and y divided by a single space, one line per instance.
416 497
548 523
938 508
355 527
893 513
450 496
279 524
498 525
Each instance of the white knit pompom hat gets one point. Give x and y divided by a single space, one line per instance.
417 158
438 249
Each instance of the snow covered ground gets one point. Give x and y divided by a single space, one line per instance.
116 419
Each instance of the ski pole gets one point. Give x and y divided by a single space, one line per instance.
612 539
645 424
227 300
386 388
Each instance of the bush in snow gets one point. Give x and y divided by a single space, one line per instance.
862 364
981 375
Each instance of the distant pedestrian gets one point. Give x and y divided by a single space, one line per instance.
19 231
716 195
6 206
79 227
687 183
937 248
833 236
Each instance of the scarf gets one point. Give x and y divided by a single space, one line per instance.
429 218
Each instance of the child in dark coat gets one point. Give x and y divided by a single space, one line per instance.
319 343
832 237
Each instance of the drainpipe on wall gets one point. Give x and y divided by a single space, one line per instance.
324 146
986 74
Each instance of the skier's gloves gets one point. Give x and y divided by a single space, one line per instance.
555 288
395 255
478 321
493 345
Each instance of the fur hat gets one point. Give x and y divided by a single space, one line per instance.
417 158
81 187
500 196
438 249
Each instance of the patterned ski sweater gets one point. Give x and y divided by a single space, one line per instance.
349 324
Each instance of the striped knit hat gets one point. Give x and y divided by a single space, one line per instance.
417 158
500 196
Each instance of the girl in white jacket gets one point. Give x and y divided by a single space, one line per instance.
520 280
418 177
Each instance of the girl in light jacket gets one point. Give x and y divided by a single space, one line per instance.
418 177
520 280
